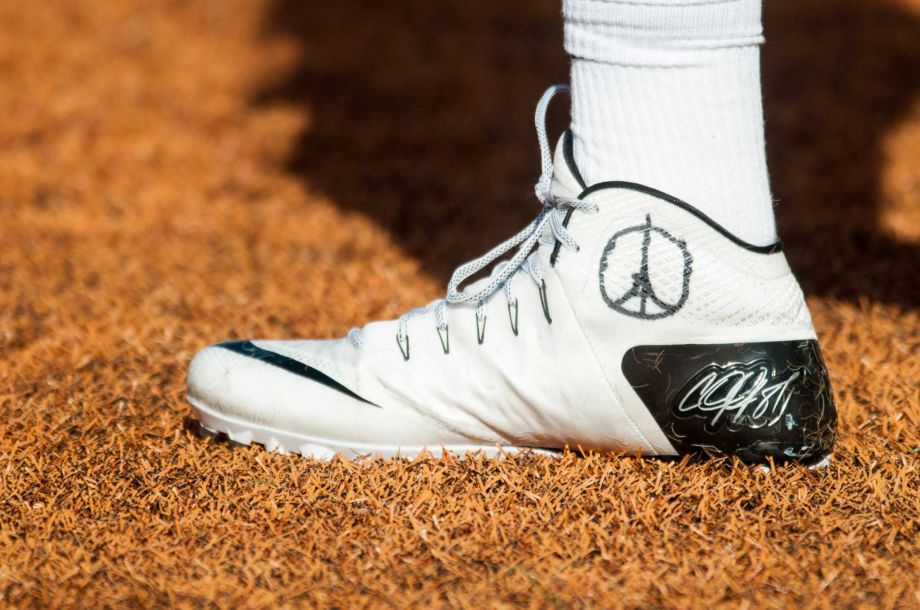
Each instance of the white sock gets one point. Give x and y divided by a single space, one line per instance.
667 93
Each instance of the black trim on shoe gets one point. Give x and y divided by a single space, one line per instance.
641 188
558 245
759 401
247 348
568 153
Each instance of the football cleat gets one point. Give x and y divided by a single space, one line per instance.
620 319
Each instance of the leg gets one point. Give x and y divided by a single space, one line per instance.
667 94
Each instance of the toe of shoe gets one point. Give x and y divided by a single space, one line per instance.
247 383
222 379
239 378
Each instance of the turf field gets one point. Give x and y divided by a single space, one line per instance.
176 173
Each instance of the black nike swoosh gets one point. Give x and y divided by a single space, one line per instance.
247 348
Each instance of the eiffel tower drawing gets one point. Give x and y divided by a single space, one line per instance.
641 300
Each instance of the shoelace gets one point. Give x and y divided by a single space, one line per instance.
552 215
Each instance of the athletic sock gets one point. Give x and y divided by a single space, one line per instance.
667 93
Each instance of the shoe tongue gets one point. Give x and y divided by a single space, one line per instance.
567 181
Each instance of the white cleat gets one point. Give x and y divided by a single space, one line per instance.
625 320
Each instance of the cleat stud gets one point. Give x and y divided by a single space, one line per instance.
243 437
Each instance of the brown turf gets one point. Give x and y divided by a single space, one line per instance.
174 174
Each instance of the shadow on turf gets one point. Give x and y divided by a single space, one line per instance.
422 120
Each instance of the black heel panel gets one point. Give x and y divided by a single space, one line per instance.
753 400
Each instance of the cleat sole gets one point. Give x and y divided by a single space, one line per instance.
282 442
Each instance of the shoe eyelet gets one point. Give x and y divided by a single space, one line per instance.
404 351
445 338
544 302
513 319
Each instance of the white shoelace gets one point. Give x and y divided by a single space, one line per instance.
552 215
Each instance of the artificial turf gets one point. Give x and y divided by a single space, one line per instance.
173 174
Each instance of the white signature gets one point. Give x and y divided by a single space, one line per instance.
744 396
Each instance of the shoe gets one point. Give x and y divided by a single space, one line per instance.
625 320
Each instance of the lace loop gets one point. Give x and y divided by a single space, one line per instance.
547 228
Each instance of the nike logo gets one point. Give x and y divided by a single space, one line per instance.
247 348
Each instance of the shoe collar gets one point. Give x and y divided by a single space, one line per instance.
567 179
568 182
